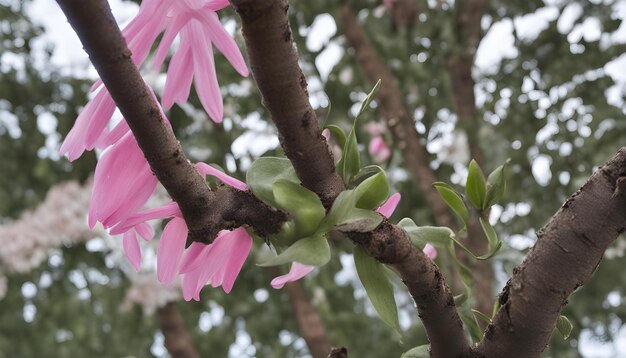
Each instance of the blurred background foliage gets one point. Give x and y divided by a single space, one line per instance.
547 95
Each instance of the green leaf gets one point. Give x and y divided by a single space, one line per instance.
372 192
454 200
564 326
304 206
344 203
369 98
496 186
264 172
349 164
379 290
483 317
417 352
312 251
493 244
359 220
475 186
365 173
338 134
421 235
468 318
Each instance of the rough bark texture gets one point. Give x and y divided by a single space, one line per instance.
567 251
276 71
177 339
309 321
264 24
102 40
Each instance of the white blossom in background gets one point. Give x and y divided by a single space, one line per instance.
59 220
146 291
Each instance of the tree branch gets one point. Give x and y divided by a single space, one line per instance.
266 29
177 339
202 209
275 67
567 251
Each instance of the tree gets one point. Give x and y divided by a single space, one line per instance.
427 288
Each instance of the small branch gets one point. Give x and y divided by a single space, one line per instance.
284 88
309 321
567 251
177 339
391 245
266 29
202 209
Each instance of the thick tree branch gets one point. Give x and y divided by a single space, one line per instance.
204 212
567 251
285 95
265 23
177 339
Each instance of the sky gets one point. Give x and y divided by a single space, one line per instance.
498 44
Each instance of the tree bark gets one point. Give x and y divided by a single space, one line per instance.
567 251
284 88
177 339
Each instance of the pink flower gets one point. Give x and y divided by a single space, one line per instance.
89 126
378 149
123 183
296 272
218 263
199 28
389 206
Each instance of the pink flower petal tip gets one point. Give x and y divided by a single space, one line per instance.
296 272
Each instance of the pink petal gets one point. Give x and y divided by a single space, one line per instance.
172 30
190 283
430 251
389 206
205 169
89 125
379 149
145 231
163 212
132 250
195 255
225 43
179 77
206 85
170 250
296 272
228 253
123 183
